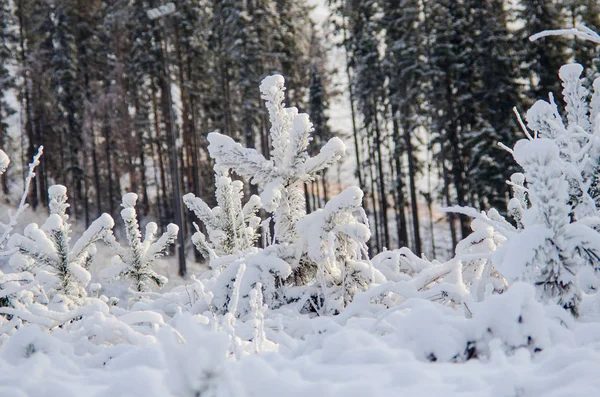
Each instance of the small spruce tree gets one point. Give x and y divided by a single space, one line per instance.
232 227
134 261
283 175
49 249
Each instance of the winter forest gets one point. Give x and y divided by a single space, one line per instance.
299 197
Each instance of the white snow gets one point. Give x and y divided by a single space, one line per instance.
570 71
54 222
270 85
57 191
129 200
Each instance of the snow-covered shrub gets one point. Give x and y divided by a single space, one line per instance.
557 233
232 227
479 274
324 251
468 277
283 175
334 238
264 267
560 226
193 297
134 261
12 285
232 231
47 251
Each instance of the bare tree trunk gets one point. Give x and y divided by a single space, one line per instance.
162 187
96 171
108 152
411 180
401 224
376 211
446 179
382 190
429 196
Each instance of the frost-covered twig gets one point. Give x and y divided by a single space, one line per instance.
581 31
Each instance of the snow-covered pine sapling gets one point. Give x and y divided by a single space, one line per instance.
231 226
554 202
335 239
48 250
577 139
478 273
134 261
6 228
289 167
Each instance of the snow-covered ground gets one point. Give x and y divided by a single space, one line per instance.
385 355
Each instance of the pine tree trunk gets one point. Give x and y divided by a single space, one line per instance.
195 147
457 165
411 180
352 111
108 152
376 211
162 187
446 179
324 182
26 105
401 224
186 128
382 189
96 171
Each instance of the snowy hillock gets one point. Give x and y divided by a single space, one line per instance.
307 311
